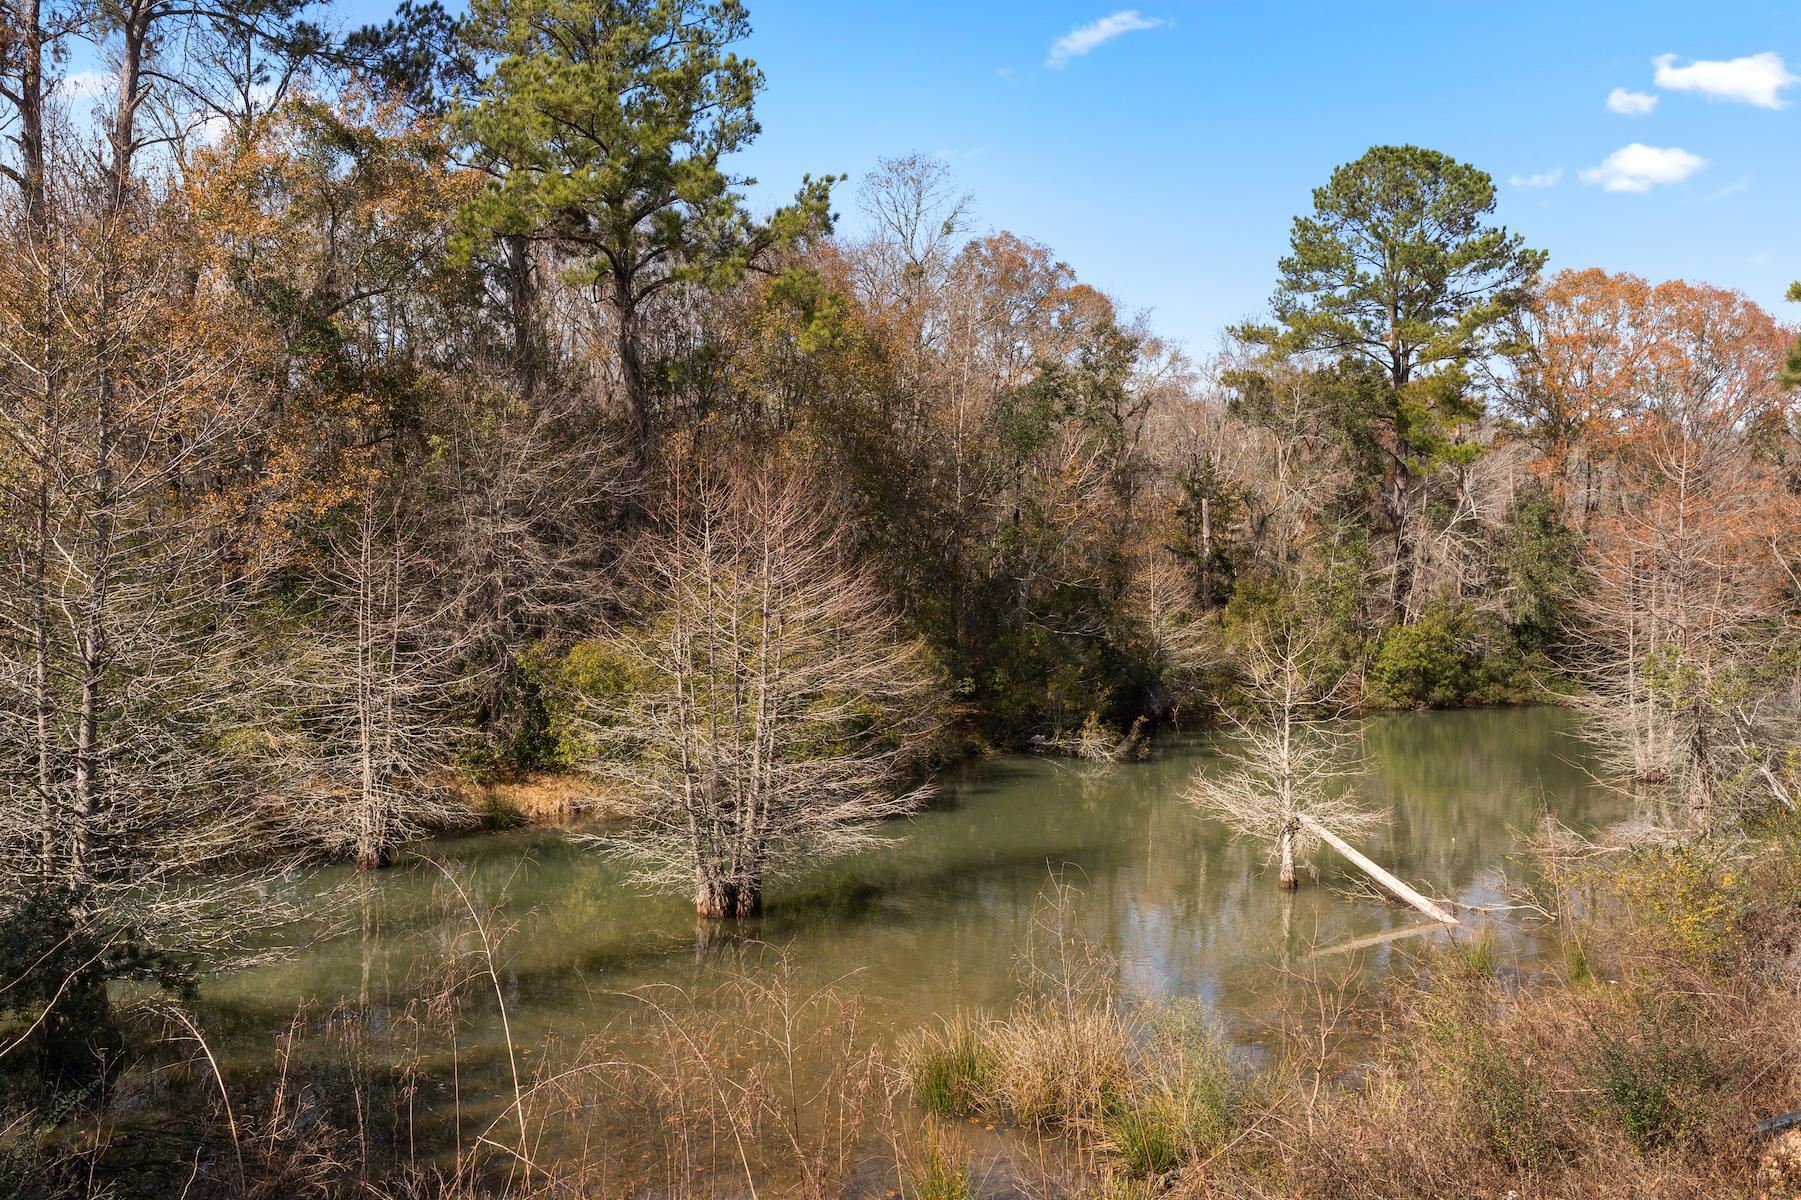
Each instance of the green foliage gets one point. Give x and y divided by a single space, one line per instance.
605 123
1397 263
1428 664
1540 556
1657 1084
1446 658
590 677
1183 1109
1500 1100
939 1174
1478 953
1687 902
58 958
1327 604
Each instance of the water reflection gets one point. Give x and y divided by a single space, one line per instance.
933 920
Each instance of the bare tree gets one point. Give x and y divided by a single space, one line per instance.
532 488
130 796
1177 643
370 718
1688 561
775 706
1287 756
916 217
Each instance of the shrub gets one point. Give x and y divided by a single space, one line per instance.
1500 1100
1427 664
1685 903
1656 1082
1507 1104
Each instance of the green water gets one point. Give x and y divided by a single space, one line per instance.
933 919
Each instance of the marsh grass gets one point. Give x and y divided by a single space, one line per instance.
949 1069
937 1171
1636 1076
1149 1088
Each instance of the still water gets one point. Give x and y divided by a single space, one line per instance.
933 919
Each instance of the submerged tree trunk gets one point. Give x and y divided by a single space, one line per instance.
729 899
1290 832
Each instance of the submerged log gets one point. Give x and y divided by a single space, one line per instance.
1381 876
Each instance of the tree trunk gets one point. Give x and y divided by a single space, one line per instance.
1286 880
748 900
1385 878
1700 791
729 899
1401 592
637 385
715 899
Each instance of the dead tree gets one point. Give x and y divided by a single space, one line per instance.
375 684
1287 755
775 705
132 797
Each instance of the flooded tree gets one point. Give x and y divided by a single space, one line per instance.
123 671
376 687
1287 758
771 702
1687 565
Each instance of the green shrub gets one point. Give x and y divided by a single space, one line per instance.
1427 664
1656 1086
1500 1101
1507 1104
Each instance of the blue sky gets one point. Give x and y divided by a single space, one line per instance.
1164 152
1164 163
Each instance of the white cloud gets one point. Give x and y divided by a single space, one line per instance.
1080 41
1755 79
1639 168
77 86
1543 179
1630 104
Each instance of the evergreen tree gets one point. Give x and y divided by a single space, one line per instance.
1398 265
604 125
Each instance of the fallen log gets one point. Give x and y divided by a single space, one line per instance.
1381 876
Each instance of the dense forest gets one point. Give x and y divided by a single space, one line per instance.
391 411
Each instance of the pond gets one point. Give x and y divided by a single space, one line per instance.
933 919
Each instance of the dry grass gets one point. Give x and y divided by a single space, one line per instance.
1636 1072
538 798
